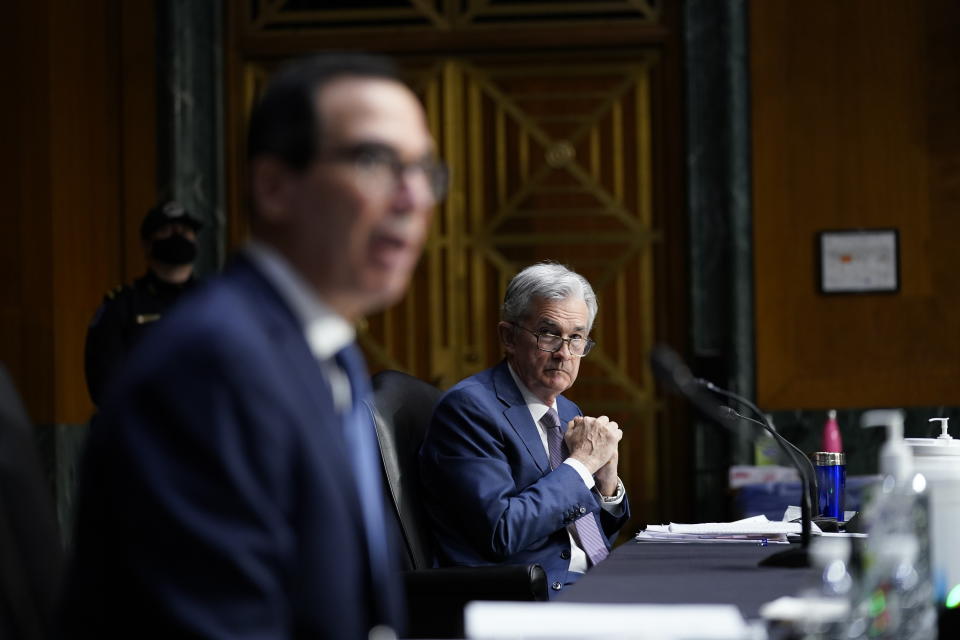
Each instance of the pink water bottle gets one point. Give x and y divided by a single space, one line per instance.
831 433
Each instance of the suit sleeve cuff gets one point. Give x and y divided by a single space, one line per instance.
585 475
614 504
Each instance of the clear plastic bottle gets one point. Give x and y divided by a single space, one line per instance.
917 598
828 600
894 598
766 451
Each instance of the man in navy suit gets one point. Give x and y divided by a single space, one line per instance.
512 470
232 487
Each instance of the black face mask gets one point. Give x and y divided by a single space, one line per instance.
174 250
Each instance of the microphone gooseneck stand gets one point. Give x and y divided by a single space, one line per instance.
793 557
797 454
673 371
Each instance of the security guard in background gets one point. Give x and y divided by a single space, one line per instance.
169 237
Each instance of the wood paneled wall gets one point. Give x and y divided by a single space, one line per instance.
78 173
855 125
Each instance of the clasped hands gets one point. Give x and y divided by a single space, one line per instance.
593 442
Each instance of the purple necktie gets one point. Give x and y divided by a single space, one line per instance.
587 529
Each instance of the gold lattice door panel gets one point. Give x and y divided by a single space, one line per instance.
551 159
271 18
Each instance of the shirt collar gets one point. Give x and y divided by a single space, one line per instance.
534 404
326 331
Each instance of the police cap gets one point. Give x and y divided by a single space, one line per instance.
168 213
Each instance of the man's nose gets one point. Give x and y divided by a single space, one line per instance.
564 351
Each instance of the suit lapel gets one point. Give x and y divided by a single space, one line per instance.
313 397
518 415
315 403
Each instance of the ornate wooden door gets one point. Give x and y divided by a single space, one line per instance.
551 161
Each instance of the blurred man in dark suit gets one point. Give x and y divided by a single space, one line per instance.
232 489
31 556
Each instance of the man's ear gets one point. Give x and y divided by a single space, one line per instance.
507 335
271 183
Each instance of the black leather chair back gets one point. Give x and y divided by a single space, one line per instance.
435 597
404 405
31 556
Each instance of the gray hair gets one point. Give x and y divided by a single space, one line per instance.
549 281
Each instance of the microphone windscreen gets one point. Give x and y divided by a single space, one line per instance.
669 368
673 372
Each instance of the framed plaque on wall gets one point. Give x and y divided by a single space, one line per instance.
859 261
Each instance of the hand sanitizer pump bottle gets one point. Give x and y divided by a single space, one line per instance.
895 597
939 461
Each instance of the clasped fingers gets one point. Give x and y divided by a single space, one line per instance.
593 441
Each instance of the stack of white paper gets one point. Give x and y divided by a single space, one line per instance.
555 620
755 529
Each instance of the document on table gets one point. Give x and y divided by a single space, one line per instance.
555 620
755 529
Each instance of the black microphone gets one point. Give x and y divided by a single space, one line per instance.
670 368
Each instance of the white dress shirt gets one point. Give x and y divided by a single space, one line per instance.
326 331
578 557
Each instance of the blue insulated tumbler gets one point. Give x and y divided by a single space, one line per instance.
832 482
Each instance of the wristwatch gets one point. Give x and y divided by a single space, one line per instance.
616 496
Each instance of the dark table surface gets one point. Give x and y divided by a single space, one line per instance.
689 573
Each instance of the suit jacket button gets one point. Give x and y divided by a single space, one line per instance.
565 554
556 586
583 510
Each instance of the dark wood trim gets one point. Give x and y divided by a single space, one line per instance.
236 205
564 37
670 269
